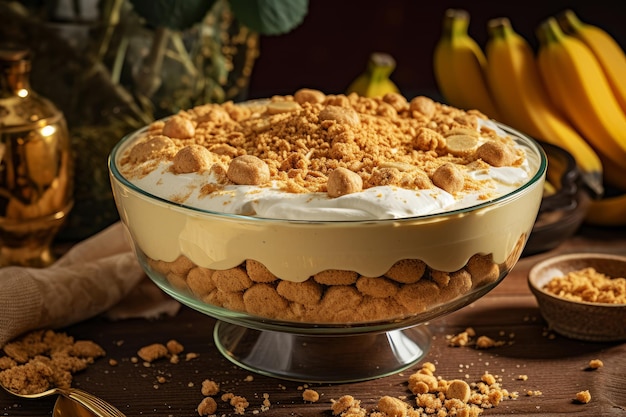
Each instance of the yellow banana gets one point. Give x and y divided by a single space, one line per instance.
519 93
607 51
459 64
375 82
608 211
576 83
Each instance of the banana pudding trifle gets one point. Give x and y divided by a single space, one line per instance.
328 209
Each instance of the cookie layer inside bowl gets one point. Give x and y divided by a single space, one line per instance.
407 289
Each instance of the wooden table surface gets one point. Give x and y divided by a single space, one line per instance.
554 365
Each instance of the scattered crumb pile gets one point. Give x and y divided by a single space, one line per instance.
172 351
211 390
44 359
434 396
208 405
583 397
589 285
468 337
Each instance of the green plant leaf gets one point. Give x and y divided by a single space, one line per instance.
270 17
173 14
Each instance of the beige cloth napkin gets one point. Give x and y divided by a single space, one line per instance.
98 275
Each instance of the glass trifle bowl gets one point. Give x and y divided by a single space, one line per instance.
322 231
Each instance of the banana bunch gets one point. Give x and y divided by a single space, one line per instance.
375 82
578 83
604 47
519 93
459 66
570 92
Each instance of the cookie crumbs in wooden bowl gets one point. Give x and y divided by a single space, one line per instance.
582 295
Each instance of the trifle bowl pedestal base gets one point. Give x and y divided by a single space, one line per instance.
322 358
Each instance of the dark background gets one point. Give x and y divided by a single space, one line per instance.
332 45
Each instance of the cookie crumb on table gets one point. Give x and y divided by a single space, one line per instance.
150 353
583 397
392 406
207 407
310 395
238 402
210 388
266 402
595 364
174 347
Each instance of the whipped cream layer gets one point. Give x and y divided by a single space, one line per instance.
382 202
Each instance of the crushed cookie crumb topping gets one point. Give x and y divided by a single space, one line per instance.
299 142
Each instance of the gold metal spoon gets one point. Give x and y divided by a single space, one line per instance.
90 404
65 407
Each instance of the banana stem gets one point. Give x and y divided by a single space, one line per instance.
380 66
499 27
455 22
569 22
549 31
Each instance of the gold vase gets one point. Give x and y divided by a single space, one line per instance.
36 166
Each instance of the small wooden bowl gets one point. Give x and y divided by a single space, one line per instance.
598 322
